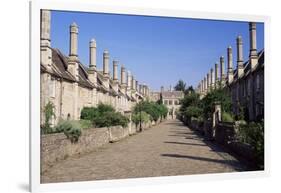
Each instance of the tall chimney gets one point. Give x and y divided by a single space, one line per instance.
129 81
205 85
45 40
115 70
229 65
170 88
222 75
216 75
212 78
93 54
253 45
240 69
73 41
105 64
208 82
136 85
73 66
92 67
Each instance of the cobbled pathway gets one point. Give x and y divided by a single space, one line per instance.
167 149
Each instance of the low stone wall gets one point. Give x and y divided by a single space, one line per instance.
224 133
56 147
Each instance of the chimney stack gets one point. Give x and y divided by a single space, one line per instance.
222 75
93 54
73 66
253 45
106 64
73 41
205 85
208 82
229 65
240 68
115 70
212 78
129 81
45 40
92 67
216 75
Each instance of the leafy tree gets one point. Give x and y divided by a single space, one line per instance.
180 86
189 90
193 111
219 95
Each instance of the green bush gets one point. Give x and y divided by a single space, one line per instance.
193 111
253 134
104 116
154 109
227 117
85 124
108 119
72 129
138 117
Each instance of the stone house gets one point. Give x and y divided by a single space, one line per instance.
170 98
70 85
245 84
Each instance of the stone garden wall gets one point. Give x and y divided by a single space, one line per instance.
56 147
223 133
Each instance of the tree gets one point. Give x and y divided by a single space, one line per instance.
180 86
189 90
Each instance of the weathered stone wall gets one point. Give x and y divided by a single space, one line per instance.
56 147
224 133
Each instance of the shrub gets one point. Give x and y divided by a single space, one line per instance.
142 116
193 111
154 109
253 134
85 124
88 113
103 116
72 129
108 119
49 113
227 117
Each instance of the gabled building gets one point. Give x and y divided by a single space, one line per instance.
70 85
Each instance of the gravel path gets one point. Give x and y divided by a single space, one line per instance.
165 150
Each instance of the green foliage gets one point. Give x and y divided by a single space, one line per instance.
180 86
154 109
253 134
211 98
104 116
85 124
49 113
191 99
189 90
193 111
227 117
140 117
72 129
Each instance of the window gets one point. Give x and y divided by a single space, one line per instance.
166 102
170 102
176 102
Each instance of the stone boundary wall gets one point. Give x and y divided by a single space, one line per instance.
224 134
56 147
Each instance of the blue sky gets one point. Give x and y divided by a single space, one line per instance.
157 50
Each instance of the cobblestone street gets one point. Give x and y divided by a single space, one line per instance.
164 150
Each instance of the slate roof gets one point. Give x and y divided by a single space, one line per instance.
172 94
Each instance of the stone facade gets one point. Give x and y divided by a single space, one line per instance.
70 85
170 98
245 84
